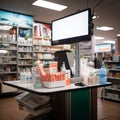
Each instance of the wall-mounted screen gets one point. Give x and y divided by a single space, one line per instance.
72 28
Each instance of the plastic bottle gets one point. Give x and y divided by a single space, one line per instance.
36 78
21 77
63 68
28 76
102 75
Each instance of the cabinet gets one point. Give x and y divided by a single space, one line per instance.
112 92
8 54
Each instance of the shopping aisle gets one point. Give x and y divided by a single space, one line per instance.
107 110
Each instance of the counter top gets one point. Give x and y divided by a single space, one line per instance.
29 87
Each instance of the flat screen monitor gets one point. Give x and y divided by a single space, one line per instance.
72 28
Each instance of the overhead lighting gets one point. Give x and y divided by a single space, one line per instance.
99 38
109 41
95 16
104 28
49 5
118 35
5 27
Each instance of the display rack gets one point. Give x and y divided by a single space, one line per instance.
25 49
42 49
112 92
8 53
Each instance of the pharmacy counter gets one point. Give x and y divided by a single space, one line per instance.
69 103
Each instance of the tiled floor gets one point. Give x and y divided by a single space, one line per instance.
9 110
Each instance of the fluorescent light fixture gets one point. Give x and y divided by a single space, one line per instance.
5 27
104 28
109 41
3 51
118 35
49 5
99 38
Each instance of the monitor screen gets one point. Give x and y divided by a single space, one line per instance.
72 28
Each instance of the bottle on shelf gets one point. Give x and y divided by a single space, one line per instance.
102 75
63 68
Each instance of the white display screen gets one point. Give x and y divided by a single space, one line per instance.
70 27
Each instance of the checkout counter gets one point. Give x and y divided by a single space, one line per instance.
71 102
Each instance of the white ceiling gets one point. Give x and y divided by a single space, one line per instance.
108 11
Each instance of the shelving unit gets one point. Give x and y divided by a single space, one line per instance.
42 49
8 55
112 92
20 47
25 49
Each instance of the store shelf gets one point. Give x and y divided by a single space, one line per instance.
25 50
109 98
114 70
114 77
4 72
2 42
25 45
8 55
111 62
25 65
8 49
43 59
28 58
113 89
51 52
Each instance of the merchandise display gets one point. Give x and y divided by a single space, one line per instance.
52 68
90 77
19 50
112 92
25 50
42 43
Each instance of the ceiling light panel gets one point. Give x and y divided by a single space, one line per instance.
99 38
49 5
104 28
118 35
109 41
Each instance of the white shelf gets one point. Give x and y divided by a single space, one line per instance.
112 65
8 63
116 70
8 42
113 78
40 51
25 45
8 56
8 49
27 58
23 65
114 89
4 72
109 98
25 52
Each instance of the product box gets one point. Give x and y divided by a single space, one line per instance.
51 77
